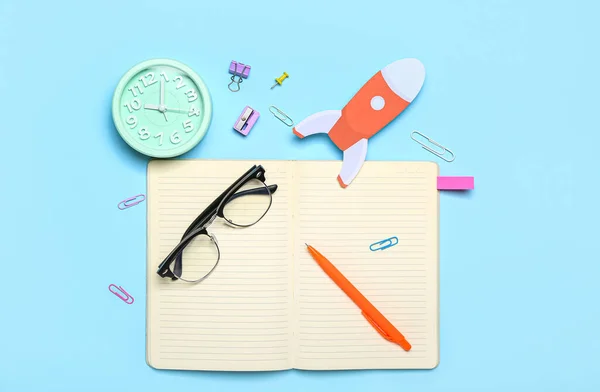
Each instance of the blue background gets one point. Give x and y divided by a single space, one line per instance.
512 88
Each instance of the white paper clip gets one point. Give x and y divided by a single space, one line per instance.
281 116
441 154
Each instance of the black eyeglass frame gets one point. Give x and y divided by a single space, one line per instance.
215 209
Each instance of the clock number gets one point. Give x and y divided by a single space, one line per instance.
191 94
132 89
175 138
180 83
194 112
132 121
152 80
165 77
188 126
144 134
159 135
134 105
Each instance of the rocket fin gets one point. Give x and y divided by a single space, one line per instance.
320 122
354 157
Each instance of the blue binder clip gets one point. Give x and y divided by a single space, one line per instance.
384 244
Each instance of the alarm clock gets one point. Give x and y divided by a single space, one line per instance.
161 108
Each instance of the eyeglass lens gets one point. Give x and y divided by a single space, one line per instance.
249 205
200 257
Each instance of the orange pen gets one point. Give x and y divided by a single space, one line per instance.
373 316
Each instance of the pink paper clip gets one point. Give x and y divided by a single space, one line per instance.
131 201
128 299
455 183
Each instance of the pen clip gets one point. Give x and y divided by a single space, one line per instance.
378 328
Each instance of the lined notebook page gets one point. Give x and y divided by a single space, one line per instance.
386 199
240 317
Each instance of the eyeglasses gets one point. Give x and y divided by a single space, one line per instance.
243 204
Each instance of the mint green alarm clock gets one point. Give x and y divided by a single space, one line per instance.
161 108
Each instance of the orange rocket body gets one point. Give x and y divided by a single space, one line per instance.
376 104
359 120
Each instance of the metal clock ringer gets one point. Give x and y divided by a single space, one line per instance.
161 108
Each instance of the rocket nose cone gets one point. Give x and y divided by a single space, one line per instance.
405 77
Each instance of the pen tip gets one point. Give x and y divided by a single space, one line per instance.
305 244
405 345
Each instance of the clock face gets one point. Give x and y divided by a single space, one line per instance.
162 108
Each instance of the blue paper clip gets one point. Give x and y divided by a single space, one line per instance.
388 242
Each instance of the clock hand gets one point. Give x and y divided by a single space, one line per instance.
177 110
162 108
156 107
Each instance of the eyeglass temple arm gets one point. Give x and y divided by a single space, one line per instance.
255 191
211 210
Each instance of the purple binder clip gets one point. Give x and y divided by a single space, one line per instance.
246 120
239 71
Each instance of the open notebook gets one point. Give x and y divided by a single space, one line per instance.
268 305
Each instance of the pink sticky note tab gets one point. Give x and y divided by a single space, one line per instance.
455 183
